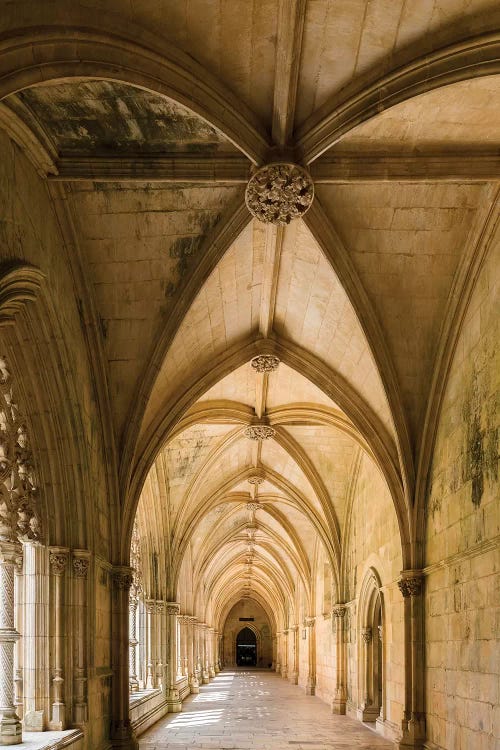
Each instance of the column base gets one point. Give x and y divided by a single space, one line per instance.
368 713
58 721
284 672
122 736
413 732
310 688
339 706
11 732
211 671
174 703
294 678
194 685
205 678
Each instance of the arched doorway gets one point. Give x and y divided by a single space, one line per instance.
246 648
371 652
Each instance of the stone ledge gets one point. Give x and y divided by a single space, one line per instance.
51 740
146 708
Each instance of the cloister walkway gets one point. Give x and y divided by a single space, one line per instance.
256 710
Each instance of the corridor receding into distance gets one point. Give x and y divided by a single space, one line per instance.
255 710
250 374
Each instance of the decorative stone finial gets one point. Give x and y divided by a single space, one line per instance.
259 431
279 192
265 363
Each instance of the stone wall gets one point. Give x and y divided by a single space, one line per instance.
52 365
260 624
462 551
373 544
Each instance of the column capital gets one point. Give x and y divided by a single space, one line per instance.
122 577
184 618
410 583
58 560
339 610
309 622
366 634
173 608
81 563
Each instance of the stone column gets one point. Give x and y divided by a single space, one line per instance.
58 561
35 637
413 725
10 725
211 666
278 652
81 563
172 695
366 636
122 735
194 685
216 652
284 659
294 672
178 636
340 697
162 644
150 610
133 681
183 632
197 654
18 647
204 663
311 637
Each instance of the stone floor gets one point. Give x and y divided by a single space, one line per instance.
253 710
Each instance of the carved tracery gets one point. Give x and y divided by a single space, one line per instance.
19 486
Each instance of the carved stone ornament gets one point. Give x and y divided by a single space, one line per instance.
254 506
58 562
80 567
255 479
309 622
339 610
265 363
136 589
19 519
122 580
411 586
366 635
259 432
173 608
279 192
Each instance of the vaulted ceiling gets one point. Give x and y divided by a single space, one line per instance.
395 109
